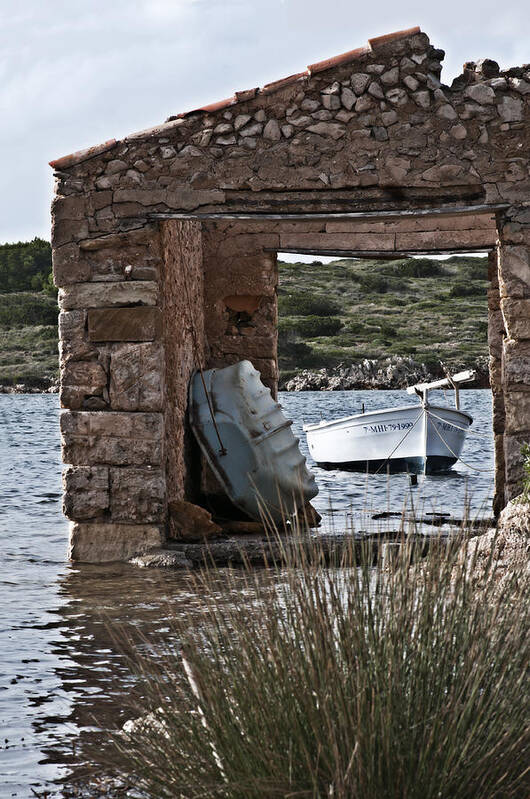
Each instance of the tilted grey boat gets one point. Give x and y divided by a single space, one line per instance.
248 442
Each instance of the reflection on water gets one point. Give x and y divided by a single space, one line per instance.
62 679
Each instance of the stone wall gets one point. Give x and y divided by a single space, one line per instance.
514 288
145 299
185 347
240 296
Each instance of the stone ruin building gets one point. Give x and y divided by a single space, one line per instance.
164 251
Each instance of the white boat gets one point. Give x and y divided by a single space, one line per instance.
420 439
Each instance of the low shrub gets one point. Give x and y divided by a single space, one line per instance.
306 305
415 267
469 266
354 326
465 289
294 354
311 326
372 284
341 681
387 330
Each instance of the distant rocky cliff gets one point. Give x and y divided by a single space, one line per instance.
388 373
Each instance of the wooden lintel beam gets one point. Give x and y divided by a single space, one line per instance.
389 255
259 216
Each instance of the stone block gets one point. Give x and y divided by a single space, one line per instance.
495 331
242 244
137 495
516 365
498 412
185 199
516 315
69 207
498 499
137 377
510 109
344 241
111 437
107 542
190 522
73 337
517 410
101 295
147 235
444 238
249 346
512 490
124 324
80 380
68 230
513 460
68 266
514 271
86 492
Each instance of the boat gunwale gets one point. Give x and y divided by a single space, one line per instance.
314 427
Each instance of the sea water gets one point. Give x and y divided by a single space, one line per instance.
62 681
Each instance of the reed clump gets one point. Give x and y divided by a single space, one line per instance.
406 679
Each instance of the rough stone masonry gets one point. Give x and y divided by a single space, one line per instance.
164 252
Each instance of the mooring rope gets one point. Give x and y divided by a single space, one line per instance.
468 465
400 442
465 429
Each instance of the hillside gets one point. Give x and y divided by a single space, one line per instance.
349 310
332 314
28 315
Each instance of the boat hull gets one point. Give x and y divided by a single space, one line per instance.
249 443
405 439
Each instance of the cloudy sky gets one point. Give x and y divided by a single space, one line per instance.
77 72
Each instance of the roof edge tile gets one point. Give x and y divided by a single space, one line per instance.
379 41
277 84
247 94
82 155
218 106
337 60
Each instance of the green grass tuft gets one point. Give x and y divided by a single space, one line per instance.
309 681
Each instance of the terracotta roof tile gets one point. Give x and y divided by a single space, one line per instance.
248 94
218 106
82 155
390 37
344 58
277 84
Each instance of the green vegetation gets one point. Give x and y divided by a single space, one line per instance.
340 682
28 314
433 310
26 266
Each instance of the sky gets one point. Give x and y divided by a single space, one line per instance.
74 73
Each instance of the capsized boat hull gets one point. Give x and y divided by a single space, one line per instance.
407 439
259 464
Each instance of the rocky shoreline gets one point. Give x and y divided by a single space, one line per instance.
388 373
44 387
392 373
